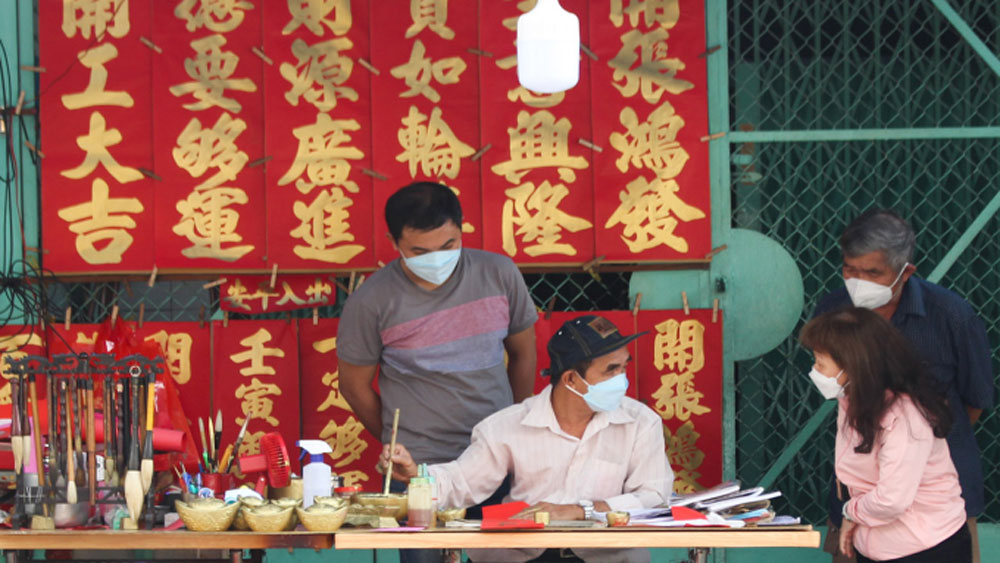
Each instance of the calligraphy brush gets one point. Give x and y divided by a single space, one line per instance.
109 460
218 435
204 443
88 385
392 450
133 481
38 438
70 473
78 409
146 470
55 444
121 432
16 445
211 441
234 449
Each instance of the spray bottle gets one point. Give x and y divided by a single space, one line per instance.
315 475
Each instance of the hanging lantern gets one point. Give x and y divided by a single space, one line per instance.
548 48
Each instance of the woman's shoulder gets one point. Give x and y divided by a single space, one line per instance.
904 413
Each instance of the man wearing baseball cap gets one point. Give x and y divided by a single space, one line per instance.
578 447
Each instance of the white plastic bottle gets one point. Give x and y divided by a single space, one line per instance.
316 474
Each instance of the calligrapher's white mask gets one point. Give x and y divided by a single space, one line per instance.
869 294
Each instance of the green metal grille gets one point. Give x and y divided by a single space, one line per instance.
863 64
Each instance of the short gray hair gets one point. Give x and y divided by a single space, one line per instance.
880 230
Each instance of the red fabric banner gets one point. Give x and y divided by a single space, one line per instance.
17 341
188 356
319 213
256 372
326 414
425 108
97 207
208 97
680 377
654 195
538 181
254 294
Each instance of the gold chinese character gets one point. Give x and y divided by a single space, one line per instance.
177 347
319 292
679 346
312 13
95 16
95 143
355 477
324 226
237 294
257 401
251 442
662 12
652 143
208 223
655 74
431 14
677 397
96 94
321 156
331 379
219 16
198 149
320 65
12 348
432 145
84 339
420 69
345 440
288 296
536 214
649 211
539 141
256 354
682 448
100 224
211 70
686 481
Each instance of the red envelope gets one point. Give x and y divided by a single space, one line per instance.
503 511
685 513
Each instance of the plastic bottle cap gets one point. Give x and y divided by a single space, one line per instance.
350 489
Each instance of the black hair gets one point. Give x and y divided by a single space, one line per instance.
580 367
422 206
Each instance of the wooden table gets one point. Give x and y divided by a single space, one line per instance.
14 542
698 540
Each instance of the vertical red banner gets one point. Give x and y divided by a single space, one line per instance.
16 342
319 212
538 180
425 107
208 129
97 206
188 357
546 328
653 197
680 377
326 414
256 373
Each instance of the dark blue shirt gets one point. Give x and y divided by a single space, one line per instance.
946 331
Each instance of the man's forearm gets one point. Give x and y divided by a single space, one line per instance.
367 406
521 373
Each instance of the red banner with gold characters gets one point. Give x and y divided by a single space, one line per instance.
256 371
187 352
680 377
326 414
97 205
653 197
17 341
425 110
208 136
319 212
254 294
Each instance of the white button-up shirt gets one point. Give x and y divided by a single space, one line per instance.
620 459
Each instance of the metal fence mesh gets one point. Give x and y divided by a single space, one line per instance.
859 64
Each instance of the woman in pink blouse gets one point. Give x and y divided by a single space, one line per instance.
905 501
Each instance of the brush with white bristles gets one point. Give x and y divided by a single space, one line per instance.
70 470
133 481
146 468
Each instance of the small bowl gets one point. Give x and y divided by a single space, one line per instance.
268 518
67 515
618 519
322 517
395 500
206 516
449 514
335 502
240 523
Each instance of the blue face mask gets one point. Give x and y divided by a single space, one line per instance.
434 267
606 395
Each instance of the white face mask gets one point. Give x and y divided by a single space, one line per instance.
434 267
871 295
828 386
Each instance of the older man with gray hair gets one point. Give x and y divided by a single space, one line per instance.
878 270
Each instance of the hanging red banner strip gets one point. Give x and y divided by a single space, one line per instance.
654 200
425 110
537 176
254 294
326 414
208 95
97 203
319 211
